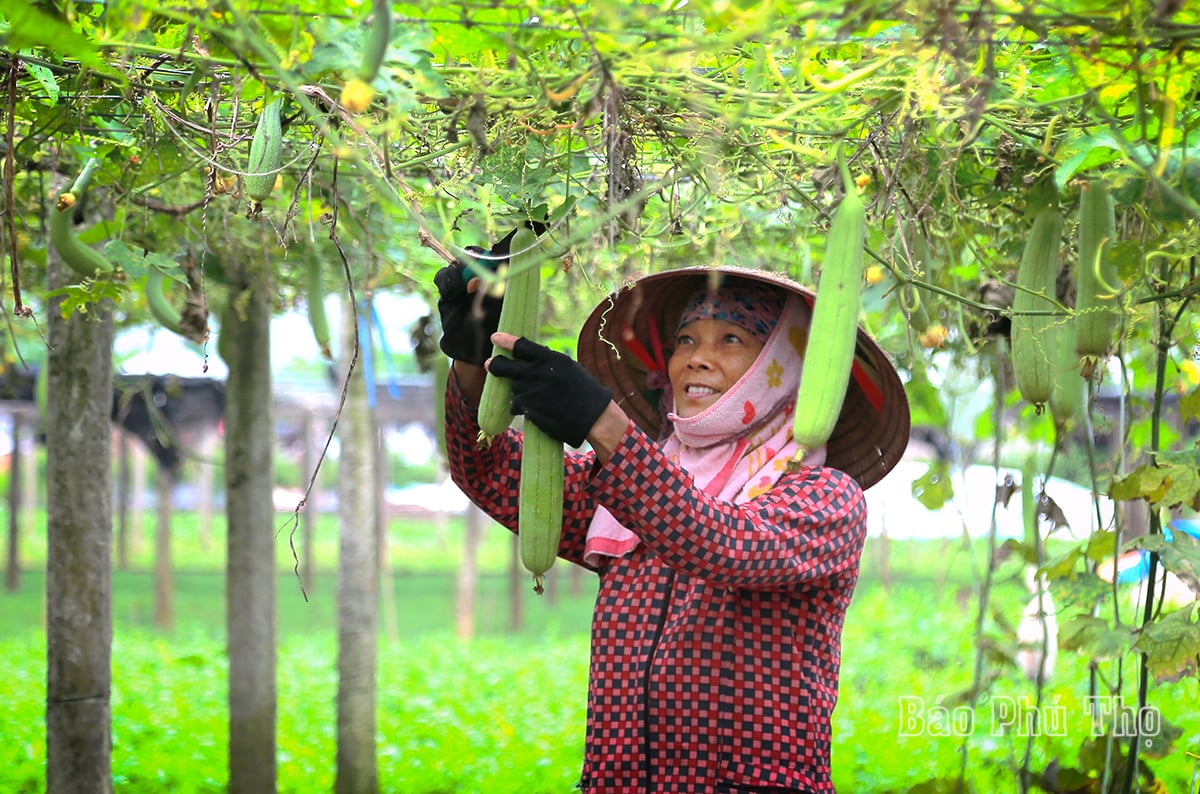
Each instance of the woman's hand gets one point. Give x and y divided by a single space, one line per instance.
468 315
555 392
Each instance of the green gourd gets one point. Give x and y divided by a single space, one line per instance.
519 317
1096 307
266 157
83 259
1034 349
315 300
160 308
540 502
378 38
833 332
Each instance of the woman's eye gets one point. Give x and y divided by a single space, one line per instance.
682 339
732 339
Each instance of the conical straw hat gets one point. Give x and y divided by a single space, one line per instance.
871 433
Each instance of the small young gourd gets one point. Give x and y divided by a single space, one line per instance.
1034 349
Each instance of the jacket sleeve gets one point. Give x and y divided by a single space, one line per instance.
808 529
490 476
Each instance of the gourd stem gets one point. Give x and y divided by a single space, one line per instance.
85 175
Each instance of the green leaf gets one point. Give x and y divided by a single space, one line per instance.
1070 779
28 27
80 297
1181 556
1126 257
1189 405
117 132
1082 591
1101 545
1026 551
1171 645
1182 483
1063 566
1160 743
1132 486
44 77
1169 485
1184 457
125 258
1094 637
562 209
1118 719
1092 151
933 489
104 230
137 262
924 403
167 265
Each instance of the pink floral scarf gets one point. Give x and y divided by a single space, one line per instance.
738 447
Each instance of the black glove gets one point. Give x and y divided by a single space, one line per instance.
552 390
470 319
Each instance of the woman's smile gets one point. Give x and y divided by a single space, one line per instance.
710 356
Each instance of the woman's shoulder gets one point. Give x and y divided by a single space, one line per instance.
816 486
825 477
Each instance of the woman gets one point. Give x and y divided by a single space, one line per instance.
724 575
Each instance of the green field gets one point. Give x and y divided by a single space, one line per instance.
504 712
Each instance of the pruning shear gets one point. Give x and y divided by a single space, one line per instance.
484 259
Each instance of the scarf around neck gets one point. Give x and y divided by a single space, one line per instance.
738 447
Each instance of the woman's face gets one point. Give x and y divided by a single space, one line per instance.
709 358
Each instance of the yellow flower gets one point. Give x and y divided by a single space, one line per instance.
357 95
759 489
798 337
934 336
774 374
1190 370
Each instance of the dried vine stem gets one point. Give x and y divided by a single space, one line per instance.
14 70
294 520
429 241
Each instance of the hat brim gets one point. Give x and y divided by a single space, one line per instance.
872 430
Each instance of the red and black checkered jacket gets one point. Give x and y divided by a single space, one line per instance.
715 643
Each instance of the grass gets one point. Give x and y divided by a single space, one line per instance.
452 716
505 712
